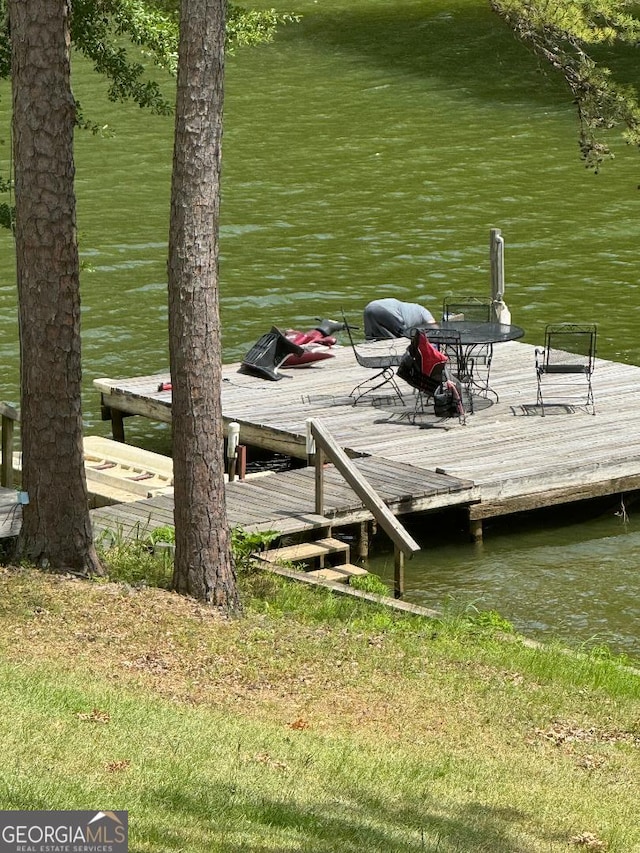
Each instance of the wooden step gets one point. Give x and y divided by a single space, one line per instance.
351 570
340 573
305 551
328 575
290 525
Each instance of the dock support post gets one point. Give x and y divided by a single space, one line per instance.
475 529
398 574
117 425
363 540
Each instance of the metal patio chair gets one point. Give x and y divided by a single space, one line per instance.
460 365
567 361
428 369
477 309
383 363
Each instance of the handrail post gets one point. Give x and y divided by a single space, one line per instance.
316 457
319 479
327 448
311 444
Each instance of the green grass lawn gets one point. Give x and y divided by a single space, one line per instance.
313 723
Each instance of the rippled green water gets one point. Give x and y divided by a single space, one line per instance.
575 578
368 152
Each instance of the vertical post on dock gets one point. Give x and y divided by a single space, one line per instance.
319 481
496 259
363 540
241 461
311 444
6 469
398 573
117 425
475 529
233 437
316 456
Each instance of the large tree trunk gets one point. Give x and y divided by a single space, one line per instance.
56 529
203 563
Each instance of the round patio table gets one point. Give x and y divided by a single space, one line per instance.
472 332
473 336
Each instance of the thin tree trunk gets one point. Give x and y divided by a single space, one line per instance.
203 563
56 528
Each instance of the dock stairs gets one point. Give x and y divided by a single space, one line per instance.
327 558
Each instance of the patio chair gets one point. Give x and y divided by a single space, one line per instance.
383 363
426 368
460 365
567 361
477 309
268 353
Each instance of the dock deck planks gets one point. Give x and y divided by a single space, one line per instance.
515 460
285 501
10 513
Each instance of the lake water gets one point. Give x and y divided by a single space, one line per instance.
368 152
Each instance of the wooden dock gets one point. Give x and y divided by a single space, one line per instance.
515 459
285 501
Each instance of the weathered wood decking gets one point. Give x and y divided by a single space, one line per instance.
10 513
515 459
286 501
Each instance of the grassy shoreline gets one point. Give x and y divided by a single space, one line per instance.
312 723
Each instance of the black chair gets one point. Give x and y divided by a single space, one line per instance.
568 358
267 354
460 365
382 363
427 369
477 309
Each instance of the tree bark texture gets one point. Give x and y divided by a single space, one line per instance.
203 563
56 528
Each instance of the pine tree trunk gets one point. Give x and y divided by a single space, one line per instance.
56 528
203 563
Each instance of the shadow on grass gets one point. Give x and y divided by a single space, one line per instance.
365 824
